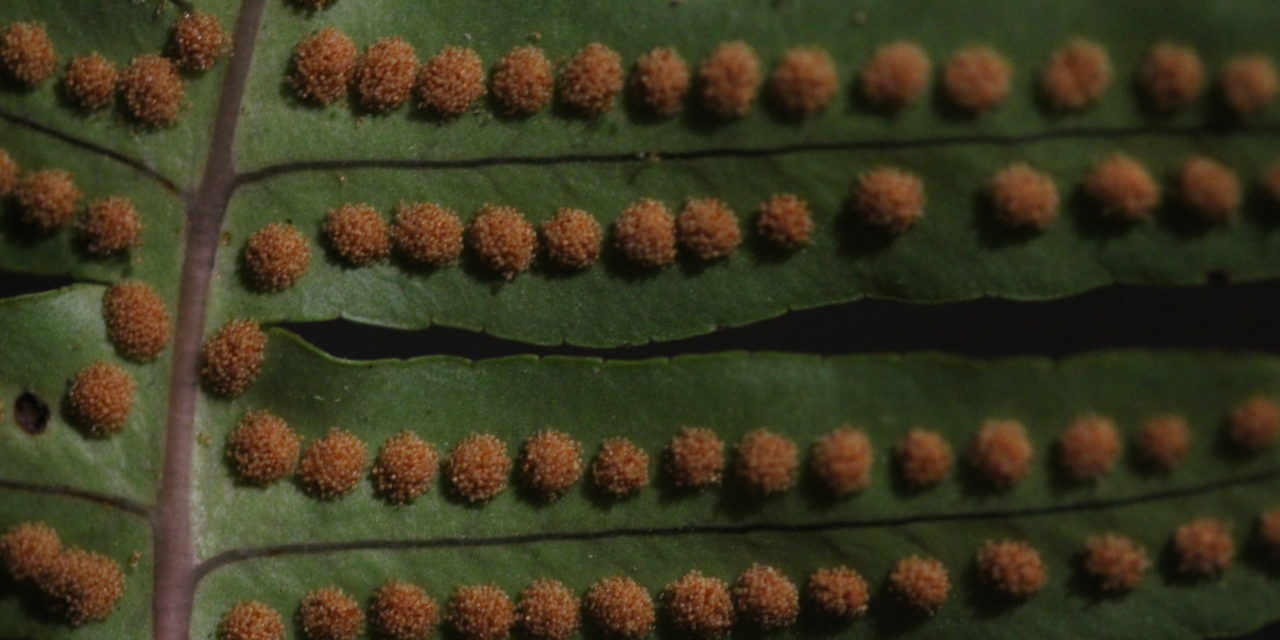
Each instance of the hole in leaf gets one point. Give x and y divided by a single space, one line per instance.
31 413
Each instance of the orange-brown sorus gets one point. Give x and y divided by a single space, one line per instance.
137 321
1164 441
231 358
550 463
83 587
1123 187
402 611
895 76
730 79
47 199
695 458
708 229
8 174
620 468
90 82
645 232
924 458
450 81
251 620
110 225
1269 533
521 81
620 607
153 90
1076 75
804 81
1254 424
1012 567
1023 197
404 468
838 592
591 79
661 80
1001 453
920 583
28 551
101 397
1171 77
1209 189
481 612
548 610
1115 562
478 467
765 598
323 64
699 605
263 448
889 198
504 240
330 613
785 221
842 461
276 256
1088 448
427 233
977 79
357 233
1249 84
385 74
1269 181
26 53
198 41
1203 547
572 238
333 465
765 462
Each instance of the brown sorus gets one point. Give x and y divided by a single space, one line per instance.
1012 567
924 458
90 82
1203 547
1210 190
620 607
572 238
1164 441
153 90
137 321
333 465
198 41
522 81
976 79
427 233
404 468
621 468
505 242
1023 197
28 551
838 592
323 64
1001 453
765 462
263 448
26 53
385 74
1076 76
804 81
699 605
251 620
1254 424
765 598
1088 448
276 256
450 81
330 614
896 76
645 232
550 463
661 80
920 583
232 357
548 610
889 198
83 587
101 398
591 79
1269 533
695 458
708 229
111 225
402 611
357 233
785 221
1123 188
1171 77
730 79
1269 181
47 199
478 467
8 174
842 461
481 612
1249 84
1115 562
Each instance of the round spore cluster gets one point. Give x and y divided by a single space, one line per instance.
1203 547
1123 187
263 448
137 321
730 79
90 82
251 620
101 398
522 81
198 41
1076 75
333 465
695 458
478 467
838 592
26 53
765 462
645 233
1115 562
977 79
842 461
153 90
1269 533
1012 567
404 468
1088 448
620 608
804 81
450 81
427 233
921 583
591 79
572 238
323 64
403 611
895 76
621 468
83 587
505 242
661 80
924 458
111 225
1210 190
765 598
889 198
28 551
47 199
231 358
548 610
1254 424
708 229
699 605
276 256
385 75
1171 77
330 614
1023 197
1001 453
1249 84
785 221
8 174
357 233
481 612
1164 441
550 463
